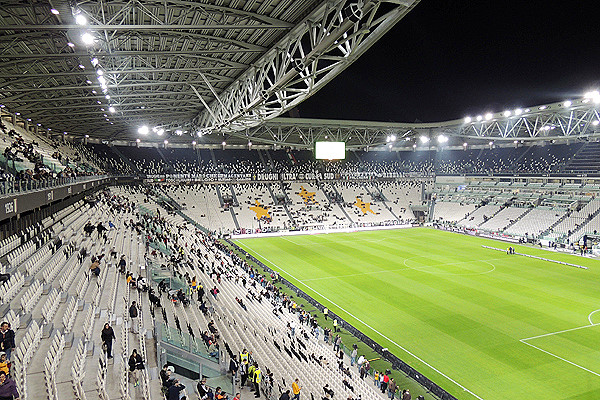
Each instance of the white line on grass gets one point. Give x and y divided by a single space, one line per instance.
590 316
557 332
524 341
560 358
367 325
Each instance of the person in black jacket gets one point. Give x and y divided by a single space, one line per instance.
285 395
173 391
133 314
135 363
7 339
108 335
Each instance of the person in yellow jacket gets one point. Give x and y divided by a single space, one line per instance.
244 357
296 390
251 370
257 380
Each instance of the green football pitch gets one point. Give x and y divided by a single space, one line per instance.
480 323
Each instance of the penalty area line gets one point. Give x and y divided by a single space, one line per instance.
368 326
560 358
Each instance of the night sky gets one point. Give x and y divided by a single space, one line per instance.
449 59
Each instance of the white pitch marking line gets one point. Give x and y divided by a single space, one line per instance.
590 316
368 326
560 358
557 332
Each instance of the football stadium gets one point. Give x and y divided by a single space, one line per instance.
172 228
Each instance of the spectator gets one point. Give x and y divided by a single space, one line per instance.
392 388
8 388
174 390
285 395
3 363
95 267
7 339
135 363
296 389
133 313
108 335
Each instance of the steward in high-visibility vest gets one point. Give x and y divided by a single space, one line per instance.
257 379
251 370
244 357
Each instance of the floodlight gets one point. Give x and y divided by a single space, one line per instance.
465 144
489 116
137 140
424 139
99 72
160 132
111 109
567 103
507 113
143 130
81 66
392 138
479 118
592 94
179 132
87 136
94 92
595 123
515 141
88 82
194 142
166 141
468 120
542 107
94 61
70 44
107 97
390 145
102 80
87 39
80 19
249 144
518 111
442 139
54 11
387 139
491 143
224 143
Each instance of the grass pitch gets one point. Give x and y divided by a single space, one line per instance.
480 323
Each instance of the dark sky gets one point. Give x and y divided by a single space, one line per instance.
449 59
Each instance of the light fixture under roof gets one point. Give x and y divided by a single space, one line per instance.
143 130
468 120
87 39
54 11
489 116
70 44
111 109
80 19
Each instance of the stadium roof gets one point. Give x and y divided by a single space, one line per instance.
103 68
